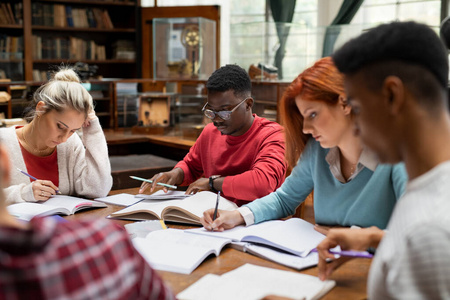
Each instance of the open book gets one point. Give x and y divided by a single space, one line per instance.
188 210
56 205
295 236
250 282
174 250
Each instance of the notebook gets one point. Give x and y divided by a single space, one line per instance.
56 205
295 236
174 250
188 210
251 282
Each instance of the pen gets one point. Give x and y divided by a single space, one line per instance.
151 181
34 178
217 206
349 253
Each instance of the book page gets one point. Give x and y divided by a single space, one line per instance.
254 282
72 204
160 195
175 251
294 235
189 209
27 210
123 199
283 258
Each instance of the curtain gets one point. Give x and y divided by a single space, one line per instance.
282 12
345 15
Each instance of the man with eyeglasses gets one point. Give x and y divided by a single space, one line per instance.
239 153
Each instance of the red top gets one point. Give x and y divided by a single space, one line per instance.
44 168
253 162
74 260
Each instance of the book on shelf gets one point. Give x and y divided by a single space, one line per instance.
56 205
174 250
187 211
256 282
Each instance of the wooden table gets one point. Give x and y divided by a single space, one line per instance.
350 278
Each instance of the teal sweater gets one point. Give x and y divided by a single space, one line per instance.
367 200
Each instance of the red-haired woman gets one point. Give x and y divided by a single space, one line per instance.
350 187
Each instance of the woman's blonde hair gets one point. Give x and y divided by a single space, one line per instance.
63 91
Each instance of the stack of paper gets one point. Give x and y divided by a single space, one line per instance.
254 282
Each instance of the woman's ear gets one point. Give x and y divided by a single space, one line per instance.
344 104
40 108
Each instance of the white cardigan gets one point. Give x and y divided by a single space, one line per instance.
83 165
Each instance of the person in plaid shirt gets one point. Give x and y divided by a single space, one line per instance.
88 259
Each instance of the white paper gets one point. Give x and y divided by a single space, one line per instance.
120 199
250 282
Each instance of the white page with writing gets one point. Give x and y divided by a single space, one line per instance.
251 282
71 203
122 199
161 195
195 204
294 235
175 251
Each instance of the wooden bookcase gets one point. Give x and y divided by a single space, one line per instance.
45 30
21 96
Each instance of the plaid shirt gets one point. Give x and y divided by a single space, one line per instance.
74 260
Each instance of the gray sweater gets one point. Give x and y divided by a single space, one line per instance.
83 165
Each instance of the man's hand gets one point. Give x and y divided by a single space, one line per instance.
348 239
201 184
173 177
225 219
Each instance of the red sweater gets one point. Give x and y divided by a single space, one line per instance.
253 163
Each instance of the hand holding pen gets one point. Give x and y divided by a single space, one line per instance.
165 179
42 189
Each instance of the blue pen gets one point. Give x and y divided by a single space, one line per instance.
34 178
151 181
349 253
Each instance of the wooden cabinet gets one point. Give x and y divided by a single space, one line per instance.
22 92
55 32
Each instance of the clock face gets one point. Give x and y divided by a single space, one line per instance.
190 36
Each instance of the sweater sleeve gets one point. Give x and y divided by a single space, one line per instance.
291 194
20 188
90 162
266 174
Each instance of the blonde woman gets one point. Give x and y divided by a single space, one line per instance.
48 148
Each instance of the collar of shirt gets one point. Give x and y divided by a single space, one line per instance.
367 159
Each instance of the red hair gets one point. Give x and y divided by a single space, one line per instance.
321 82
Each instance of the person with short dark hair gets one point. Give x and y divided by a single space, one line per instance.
86 259
239 153
396 79
350 187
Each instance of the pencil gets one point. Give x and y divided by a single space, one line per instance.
151 181
34 178
217 206
349 253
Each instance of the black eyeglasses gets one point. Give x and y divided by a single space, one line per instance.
223 114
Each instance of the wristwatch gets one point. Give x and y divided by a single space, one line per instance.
211 182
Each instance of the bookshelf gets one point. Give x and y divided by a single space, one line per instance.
22 91
54 32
